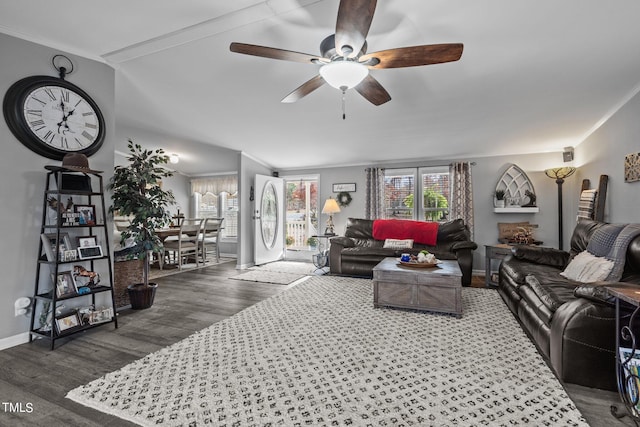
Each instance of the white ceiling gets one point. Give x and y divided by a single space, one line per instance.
535 76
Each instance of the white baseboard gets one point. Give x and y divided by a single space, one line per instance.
13 341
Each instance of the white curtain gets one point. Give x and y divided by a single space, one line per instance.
374 197
215 185
461 204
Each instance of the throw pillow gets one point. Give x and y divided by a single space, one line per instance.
398 243
587 268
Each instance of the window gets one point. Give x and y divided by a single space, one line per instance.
217 197
398 193
429 184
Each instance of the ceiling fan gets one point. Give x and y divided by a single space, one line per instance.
344 61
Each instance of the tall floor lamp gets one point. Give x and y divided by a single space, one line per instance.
559 174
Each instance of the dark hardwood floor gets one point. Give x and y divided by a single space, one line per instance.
37 378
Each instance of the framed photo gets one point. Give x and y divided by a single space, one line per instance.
348 187
87 214
52 248
67 321
84 241
65 284
100 316
69 255
88 252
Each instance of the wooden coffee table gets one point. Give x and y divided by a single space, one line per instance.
433 289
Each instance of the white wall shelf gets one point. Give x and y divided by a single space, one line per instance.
516 209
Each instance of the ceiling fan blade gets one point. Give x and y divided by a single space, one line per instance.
305 89
373 91
275 53
413 56
352 27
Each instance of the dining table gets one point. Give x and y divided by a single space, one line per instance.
163 234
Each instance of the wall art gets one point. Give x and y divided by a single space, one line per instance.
632 167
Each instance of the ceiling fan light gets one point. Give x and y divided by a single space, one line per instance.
341 74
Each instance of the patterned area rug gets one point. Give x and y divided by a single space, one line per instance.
320 354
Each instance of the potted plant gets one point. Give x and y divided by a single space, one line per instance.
500 194
136 194
312 242
289 240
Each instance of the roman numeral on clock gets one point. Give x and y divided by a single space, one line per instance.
49 137
50 93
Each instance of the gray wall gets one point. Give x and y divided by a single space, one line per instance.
22 186
603 153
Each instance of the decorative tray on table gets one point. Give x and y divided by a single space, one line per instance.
417 264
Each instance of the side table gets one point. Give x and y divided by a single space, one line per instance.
491 252
321 259
627 358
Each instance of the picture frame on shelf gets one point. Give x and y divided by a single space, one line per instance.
349 187
88 252
85 241
87 214
102 315
52 248
65 285
69 255
67 321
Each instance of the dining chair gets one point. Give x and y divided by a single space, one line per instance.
210 237
187 243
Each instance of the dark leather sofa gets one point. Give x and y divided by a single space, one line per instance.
357 252
572 324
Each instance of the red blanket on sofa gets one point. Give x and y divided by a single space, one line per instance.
420 231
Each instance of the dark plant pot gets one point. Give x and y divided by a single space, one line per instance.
141 296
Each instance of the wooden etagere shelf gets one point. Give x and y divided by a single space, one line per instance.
71 277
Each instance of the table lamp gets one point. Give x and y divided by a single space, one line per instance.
330 207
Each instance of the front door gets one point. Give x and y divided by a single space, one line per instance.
268 219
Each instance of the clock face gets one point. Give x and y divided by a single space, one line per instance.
53 117
61 118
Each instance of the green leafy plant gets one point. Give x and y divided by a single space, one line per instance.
312 241
136 193
432 199
289 240
500 194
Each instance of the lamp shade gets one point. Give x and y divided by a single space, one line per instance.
560 173
330 206
343 74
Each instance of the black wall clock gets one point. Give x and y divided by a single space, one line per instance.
53 117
